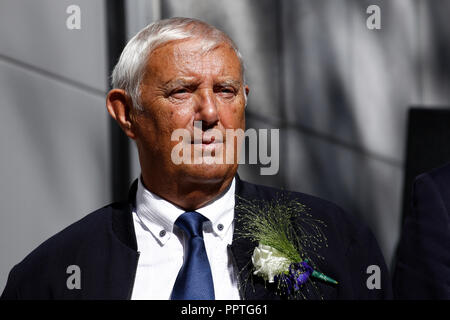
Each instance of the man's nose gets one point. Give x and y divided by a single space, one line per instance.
207 109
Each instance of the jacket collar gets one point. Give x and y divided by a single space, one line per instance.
122 219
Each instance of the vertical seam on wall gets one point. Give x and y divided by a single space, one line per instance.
119 145
281 100
157 10
419 15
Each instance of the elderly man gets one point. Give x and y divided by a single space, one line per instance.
177 235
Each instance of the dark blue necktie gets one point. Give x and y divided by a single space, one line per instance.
194 281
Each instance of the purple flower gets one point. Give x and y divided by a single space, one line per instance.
297 275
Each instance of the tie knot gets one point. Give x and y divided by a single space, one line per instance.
191 223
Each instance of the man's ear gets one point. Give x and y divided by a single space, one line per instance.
246 92
120 106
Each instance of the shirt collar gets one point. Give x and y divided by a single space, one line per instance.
220 211
159 215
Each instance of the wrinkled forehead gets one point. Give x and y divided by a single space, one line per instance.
193 56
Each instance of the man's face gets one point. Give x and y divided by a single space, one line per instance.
184 84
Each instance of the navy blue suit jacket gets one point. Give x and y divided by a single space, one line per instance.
103 245
423 263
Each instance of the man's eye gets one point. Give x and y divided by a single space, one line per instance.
227 91
179 92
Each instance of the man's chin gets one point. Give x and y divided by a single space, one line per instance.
208 173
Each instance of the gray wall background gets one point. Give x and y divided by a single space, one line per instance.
54 158
338 92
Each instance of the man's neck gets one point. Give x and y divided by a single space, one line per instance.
189 195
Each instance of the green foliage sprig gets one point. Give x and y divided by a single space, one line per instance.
284 224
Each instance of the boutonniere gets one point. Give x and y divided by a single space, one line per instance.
288 240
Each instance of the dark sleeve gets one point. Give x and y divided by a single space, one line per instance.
11 291
423 263
369 274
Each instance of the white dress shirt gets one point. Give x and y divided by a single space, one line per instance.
161 243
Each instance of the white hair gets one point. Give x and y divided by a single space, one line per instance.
130 69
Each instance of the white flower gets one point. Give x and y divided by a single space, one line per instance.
269 262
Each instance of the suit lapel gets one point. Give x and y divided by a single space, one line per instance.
254 287
251 287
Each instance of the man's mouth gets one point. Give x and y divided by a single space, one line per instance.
208 143
210 140
207 140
